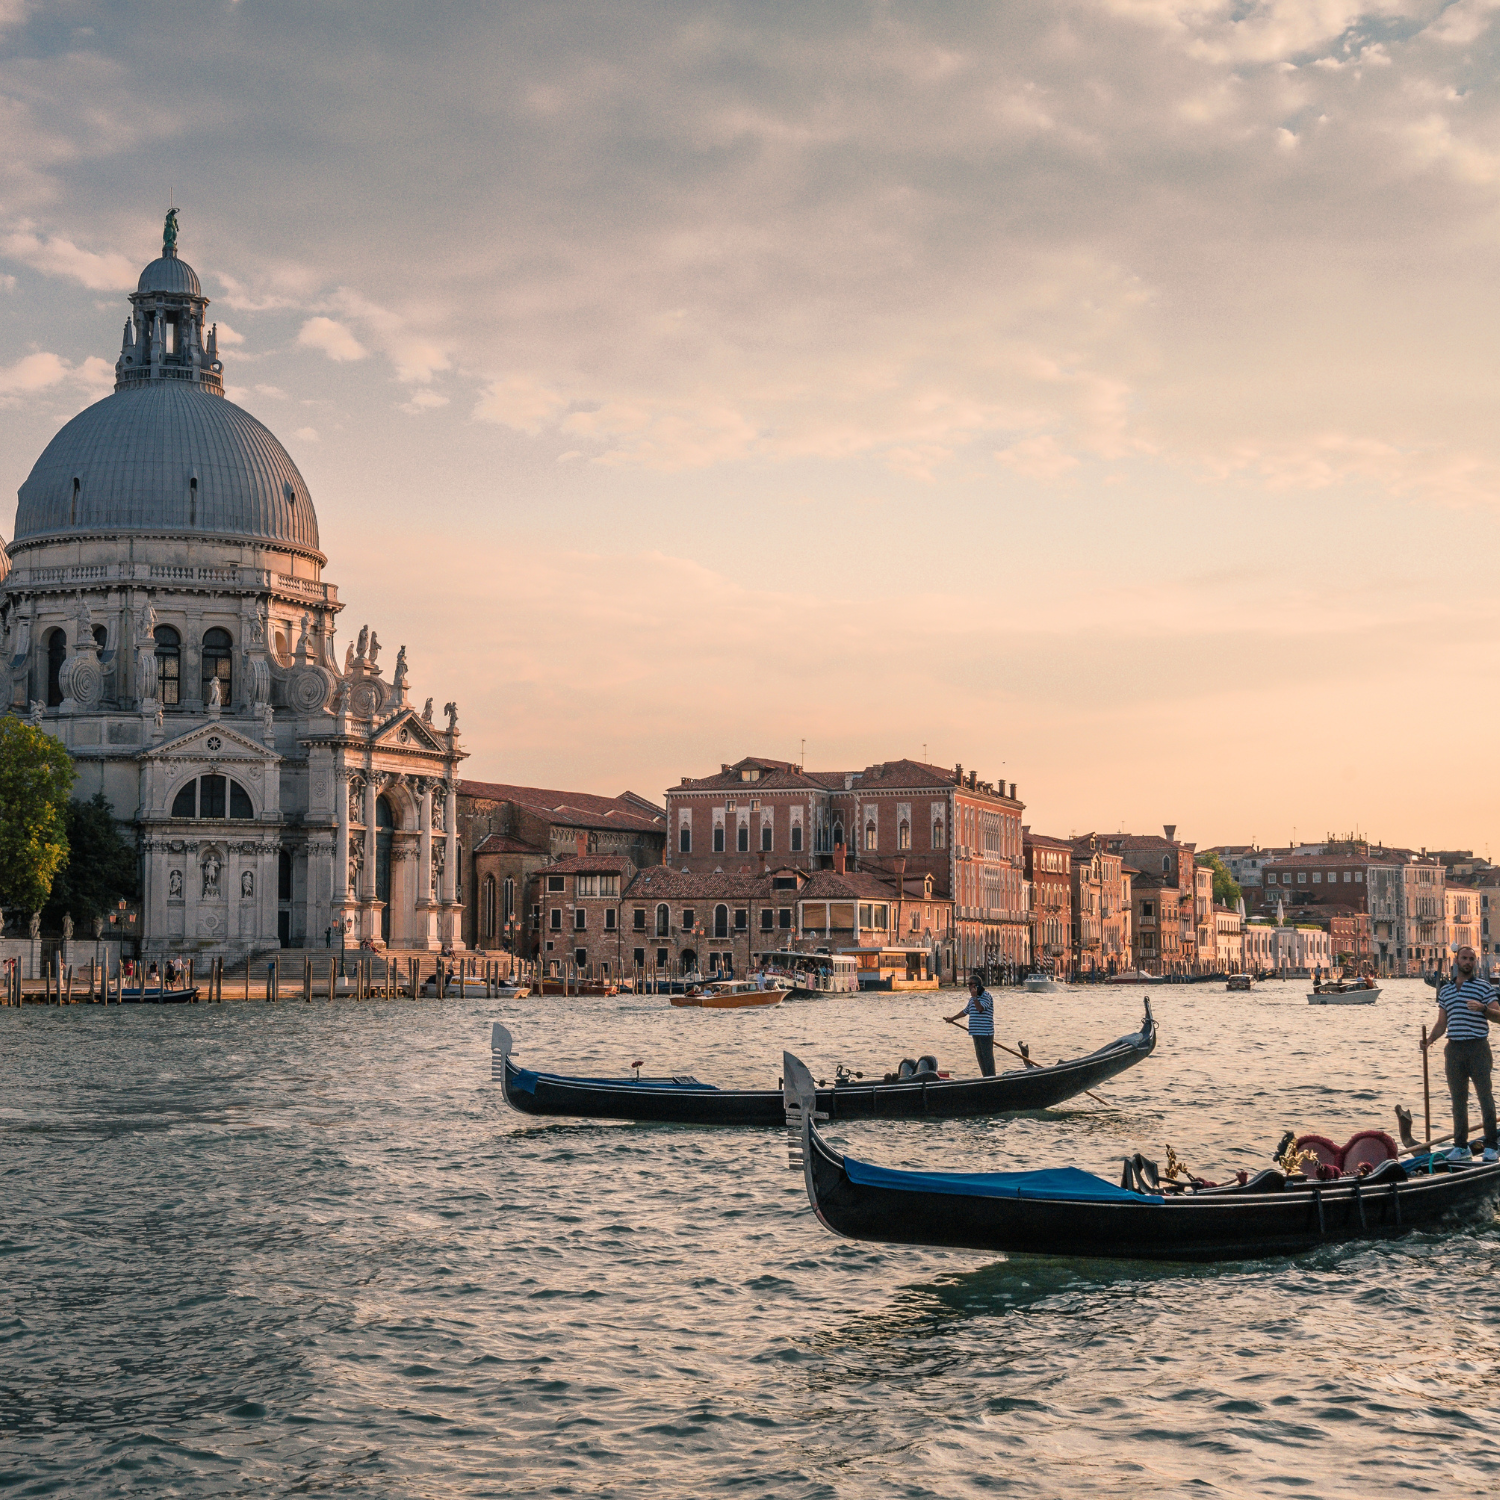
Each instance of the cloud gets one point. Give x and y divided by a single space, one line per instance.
416 356
1040 457
45 371
55 256
520 402
334 339
424 401
306 434
228 337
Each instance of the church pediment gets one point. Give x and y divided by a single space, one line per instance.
211 742
409 731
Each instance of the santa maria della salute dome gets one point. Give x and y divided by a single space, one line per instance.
166 617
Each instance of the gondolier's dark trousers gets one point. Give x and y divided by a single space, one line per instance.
984 1050
1463 1061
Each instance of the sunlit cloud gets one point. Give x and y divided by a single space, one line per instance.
333 339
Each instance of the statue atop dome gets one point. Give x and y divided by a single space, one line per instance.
169 233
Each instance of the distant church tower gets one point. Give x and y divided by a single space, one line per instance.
165 616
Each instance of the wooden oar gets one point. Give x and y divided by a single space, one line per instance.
1024 1058
1426 1090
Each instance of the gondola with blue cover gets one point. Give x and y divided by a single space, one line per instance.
924 1095
1065 1211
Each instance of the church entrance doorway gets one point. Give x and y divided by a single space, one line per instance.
384 823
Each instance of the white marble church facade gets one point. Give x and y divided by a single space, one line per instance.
166 617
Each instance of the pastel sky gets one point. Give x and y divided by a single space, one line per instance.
1097 392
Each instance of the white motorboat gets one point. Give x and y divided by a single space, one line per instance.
1358 993
1039 984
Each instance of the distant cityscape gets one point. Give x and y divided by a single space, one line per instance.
927 870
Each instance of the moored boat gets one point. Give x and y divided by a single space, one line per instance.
1345 992
1067 1211
157 995
730 994
924 1094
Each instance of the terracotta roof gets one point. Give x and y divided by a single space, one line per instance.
572 809
503 843
1046 840
904 773
1118 842
829 885
662 883
587 864
777 779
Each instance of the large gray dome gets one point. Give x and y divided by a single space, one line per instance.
127 464
169 274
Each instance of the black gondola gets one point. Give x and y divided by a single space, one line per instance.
685 1101
157 995
1065 1211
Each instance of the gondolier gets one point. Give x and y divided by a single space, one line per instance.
981 1013
1463 1003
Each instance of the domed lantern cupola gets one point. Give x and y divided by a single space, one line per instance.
164 337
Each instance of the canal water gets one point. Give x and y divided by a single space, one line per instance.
306 1249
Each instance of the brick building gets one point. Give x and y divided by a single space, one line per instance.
1172 926
511 834
1049 873
923 820
608 919
1390 902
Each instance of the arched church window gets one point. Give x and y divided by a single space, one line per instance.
168 667
218 661
721 921
212 797
57 653
663 922
487 908
903 835
510 899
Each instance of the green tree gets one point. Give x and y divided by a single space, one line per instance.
1226 887
101 867
36 776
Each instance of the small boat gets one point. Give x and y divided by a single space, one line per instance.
1066 1211
807 976
1134 976
1356 992
1039 984
924 1094
157 995
1238 982
552 985
729 994
470 988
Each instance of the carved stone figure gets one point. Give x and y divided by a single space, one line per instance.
374 648
169 233
398 681
36 925
427 712
349 658
211 876
98 927
215 698
364 642
247 884
356 793
451 709
67 927
38 708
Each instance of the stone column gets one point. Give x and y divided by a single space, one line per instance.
368 891
453 932
425 933
341 848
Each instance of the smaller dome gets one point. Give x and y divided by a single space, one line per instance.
169 274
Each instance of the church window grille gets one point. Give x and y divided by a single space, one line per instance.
510 898
765 837
721 921
213 797
742 842
663 921
218 661
796 838
487 907
718 839
57 653
168 666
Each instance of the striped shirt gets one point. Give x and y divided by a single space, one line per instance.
981 1009
1463 1024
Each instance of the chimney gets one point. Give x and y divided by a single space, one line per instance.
582 844
1170 829
838 858
1012 791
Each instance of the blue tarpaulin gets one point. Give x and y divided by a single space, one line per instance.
1060 1184
525 1080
